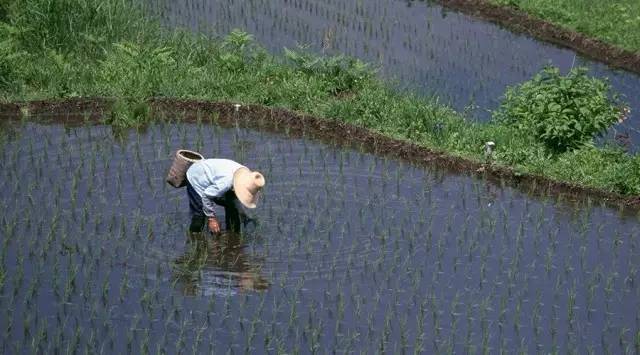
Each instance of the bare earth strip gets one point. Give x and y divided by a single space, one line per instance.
79 110
519 21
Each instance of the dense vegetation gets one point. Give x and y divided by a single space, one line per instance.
616 22
68 48
563 112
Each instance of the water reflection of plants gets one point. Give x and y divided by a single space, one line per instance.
218 264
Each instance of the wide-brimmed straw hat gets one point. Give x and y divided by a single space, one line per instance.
247 184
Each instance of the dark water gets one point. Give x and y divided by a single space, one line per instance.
351 252
421 46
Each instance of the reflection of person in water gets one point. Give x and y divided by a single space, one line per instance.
225 183
218 265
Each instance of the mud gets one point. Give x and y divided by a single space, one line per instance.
80 110
519 21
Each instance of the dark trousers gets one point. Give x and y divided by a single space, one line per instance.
233 216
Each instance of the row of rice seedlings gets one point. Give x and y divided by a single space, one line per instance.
394 252
515 264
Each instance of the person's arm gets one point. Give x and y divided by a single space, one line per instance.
214 190
213 224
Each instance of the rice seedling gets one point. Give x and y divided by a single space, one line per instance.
343 275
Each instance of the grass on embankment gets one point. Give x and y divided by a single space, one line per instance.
67 48
615 22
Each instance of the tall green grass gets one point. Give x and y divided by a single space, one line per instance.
616 22
57 49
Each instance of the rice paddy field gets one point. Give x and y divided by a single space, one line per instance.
350 252
422 46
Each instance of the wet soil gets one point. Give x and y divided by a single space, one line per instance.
79 110
519 21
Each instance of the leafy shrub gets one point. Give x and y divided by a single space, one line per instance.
239 52
562 112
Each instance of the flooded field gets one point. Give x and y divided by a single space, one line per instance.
350 252
421 46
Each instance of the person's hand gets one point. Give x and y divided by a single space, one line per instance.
213 224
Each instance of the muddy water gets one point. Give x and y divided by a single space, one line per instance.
350 252
421 46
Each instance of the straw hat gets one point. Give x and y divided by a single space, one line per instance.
247 184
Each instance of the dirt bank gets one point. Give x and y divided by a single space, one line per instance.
519 21
78 111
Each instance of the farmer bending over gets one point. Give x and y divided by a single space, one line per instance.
225 183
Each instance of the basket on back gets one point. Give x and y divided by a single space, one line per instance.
177 176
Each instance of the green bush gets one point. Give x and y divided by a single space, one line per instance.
239 52
562 112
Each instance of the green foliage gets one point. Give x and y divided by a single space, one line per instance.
133 70
128 112
616 22
82 27
238 51
10 58
610 168
238 40
343 74
562 112
626 179
3 12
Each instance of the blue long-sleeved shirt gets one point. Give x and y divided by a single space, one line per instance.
211 178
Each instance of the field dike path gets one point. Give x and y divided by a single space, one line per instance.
520 21
80 110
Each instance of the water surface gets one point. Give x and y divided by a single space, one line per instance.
351 252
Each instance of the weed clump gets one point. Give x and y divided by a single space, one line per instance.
343 75
128 113
561 112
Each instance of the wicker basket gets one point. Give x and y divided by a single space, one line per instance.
177 176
